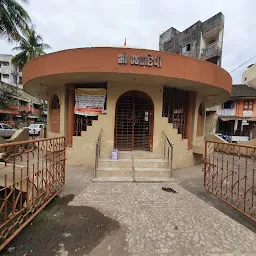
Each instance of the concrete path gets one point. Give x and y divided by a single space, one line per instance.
162 223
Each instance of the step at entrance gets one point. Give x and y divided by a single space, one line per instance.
137 163
133 166
136 155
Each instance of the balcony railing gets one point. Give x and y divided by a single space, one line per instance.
25 108
211 50
227 112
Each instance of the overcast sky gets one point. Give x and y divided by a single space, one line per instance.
85 23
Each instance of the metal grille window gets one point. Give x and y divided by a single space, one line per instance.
228 105
81 123
185 49
175 108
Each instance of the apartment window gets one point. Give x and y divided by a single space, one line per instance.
245 79
248 105
5 63
185 48
23 103
5 76
20 79
36 106
228 105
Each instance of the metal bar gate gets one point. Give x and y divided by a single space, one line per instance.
229 174
32 173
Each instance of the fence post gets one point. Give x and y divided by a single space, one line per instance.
205 162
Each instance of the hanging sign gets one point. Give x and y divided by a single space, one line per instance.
89 101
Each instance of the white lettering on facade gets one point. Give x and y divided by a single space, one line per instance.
148 61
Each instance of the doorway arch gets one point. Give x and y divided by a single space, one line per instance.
55 114
134 121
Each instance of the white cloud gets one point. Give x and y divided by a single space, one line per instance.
82 23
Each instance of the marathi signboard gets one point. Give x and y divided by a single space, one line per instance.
89 101
148 61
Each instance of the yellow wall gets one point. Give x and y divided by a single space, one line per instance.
83 150
249 143
210 123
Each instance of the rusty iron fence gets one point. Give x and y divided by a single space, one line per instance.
230 175
32 173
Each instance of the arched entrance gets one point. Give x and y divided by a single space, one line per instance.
134 121
55 114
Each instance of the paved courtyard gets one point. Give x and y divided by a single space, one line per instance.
114 219
164 223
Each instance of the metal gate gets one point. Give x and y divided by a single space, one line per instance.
134 121
32 173
229 174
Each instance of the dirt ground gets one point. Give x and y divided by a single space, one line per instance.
81 228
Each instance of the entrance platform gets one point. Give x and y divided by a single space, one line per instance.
133 166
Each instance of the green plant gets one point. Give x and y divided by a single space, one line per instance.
13 18
6 94
30 46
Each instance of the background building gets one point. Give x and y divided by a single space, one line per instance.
237 117
18 108
202 40
9 73
249 76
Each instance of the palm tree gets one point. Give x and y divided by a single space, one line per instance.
31 46
13 18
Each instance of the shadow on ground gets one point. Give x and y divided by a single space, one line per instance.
62 229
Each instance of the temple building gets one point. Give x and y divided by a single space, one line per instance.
149 105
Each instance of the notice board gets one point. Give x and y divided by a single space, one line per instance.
90 101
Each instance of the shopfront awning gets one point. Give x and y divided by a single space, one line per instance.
234 118
8 111
33 116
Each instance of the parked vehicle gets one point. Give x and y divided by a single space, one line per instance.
6 131
35 129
